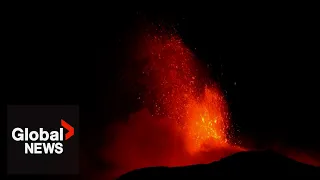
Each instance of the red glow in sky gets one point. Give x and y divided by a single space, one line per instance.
185 118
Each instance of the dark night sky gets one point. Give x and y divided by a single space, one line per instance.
272 59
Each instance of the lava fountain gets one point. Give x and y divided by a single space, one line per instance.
179 91
184 119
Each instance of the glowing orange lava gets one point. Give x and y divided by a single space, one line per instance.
184 119
207 122
183 94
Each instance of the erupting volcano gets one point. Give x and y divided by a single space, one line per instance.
184 119
178 89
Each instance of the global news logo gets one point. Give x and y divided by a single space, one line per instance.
43 141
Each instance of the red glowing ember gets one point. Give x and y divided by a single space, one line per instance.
185 118
177 90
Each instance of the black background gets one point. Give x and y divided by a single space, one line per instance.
75 59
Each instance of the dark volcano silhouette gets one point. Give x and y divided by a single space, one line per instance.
251 163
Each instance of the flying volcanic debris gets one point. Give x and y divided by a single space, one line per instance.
184 119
